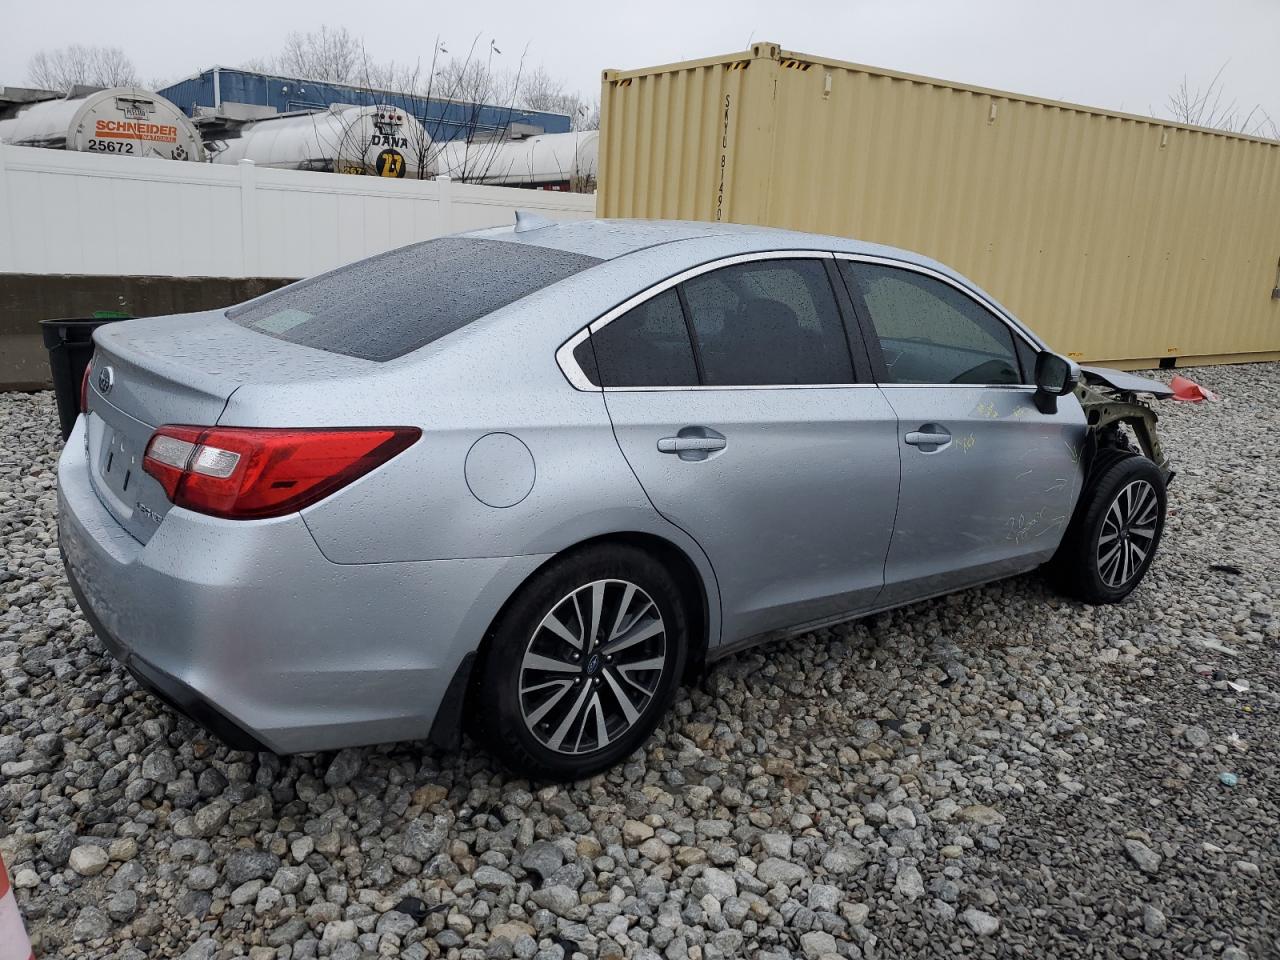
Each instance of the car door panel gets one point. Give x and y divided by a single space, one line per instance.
994 495
795 511
993 501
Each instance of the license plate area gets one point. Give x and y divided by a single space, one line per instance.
119 464
116 444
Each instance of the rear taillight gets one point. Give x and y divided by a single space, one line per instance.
84 386
247 473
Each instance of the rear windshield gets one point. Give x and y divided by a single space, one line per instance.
396 302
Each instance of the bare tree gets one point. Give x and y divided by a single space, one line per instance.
541 91
329 53
66 67
466 88
1209 107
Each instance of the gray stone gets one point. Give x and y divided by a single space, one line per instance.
122 906
245 865
909 883
159 766
491 878
823 896
1197 737
543 858
717 883
423 841
774 871
88 860
557 898
91 924
202 949
981 923
901 817
815 944
1148 860
343 768
1153 921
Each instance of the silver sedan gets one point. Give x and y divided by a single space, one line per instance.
523 481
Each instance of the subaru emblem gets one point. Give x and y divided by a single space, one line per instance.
106 378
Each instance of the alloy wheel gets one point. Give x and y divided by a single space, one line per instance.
1128 533
592 666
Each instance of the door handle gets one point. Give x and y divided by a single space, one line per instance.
930 438
919 439
691 444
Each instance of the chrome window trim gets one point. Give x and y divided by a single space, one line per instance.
578 378
1005 318
569 364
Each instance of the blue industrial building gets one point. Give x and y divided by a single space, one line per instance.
444 119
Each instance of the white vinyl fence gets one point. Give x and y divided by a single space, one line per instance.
63 212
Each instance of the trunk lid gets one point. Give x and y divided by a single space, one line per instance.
181 370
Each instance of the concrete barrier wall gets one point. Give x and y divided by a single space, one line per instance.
26 299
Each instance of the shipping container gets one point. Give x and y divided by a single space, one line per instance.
1119 238
118 121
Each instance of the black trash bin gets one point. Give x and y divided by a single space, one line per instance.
70 346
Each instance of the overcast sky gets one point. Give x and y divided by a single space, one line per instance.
1121 54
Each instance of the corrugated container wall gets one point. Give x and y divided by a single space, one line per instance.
1116 237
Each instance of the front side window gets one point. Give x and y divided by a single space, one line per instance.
930 332
768 322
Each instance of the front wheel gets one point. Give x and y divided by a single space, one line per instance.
1116 529
583 663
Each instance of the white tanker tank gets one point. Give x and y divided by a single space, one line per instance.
124 121
557 161
381 140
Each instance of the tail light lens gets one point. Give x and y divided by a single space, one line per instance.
248 473
84 386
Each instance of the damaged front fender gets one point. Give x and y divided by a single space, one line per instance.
1109 399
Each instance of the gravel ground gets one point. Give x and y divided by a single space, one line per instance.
994 773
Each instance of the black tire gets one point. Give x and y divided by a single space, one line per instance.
498 711
1085 566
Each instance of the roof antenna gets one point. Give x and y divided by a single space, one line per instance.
531 221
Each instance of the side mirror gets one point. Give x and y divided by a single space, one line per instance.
1055 377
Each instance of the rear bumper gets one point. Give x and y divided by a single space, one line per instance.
246 627
171 690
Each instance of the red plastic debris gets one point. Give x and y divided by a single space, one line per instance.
1188 391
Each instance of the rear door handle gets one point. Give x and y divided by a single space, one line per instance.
691 444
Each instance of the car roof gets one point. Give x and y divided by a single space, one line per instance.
610 239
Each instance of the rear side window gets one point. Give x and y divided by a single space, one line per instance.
930 332
768 322
392 304
648 346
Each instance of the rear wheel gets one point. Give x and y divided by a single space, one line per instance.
1115 532
583 663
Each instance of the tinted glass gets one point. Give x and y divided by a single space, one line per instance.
771 322
930 332
1027 359
647 346
396 302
